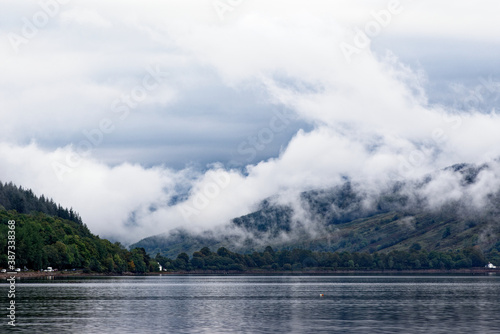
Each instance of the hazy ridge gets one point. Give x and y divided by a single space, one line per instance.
350 218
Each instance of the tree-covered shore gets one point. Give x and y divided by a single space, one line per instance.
48 235
258 272
43 241
296 260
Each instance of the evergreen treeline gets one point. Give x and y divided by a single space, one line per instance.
16 198
42 241
302 259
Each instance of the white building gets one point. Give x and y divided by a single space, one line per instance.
159 266
490 266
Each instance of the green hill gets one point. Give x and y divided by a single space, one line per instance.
42 240
22 200
46 234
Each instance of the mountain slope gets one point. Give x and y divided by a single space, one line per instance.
346 218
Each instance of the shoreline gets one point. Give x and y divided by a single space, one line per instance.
63 274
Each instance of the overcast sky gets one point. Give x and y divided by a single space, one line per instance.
152 115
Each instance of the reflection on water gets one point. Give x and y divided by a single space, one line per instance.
254 304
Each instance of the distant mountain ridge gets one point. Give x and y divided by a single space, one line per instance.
339 219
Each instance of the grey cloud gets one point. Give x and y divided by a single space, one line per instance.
368 120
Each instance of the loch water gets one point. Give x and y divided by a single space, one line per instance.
257 304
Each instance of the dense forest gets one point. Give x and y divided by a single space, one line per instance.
307 260
22 200
43 240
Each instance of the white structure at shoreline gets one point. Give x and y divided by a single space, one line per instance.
490 266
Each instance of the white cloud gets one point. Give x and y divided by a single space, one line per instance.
85 17
371 118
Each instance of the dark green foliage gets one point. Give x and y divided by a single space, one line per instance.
416 246
24 201
139 261
306 260
183 257
270 218
345 199
446 233
45 241
175 242
205 251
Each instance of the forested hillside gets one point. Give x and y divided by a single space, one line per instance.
22 200
42 240
46 234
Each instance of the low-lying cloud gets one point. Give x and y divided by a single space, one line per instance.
368 120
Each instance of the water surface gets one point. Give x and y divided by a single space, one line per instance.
258 304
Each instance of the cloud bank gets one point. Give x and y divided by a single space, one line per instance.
150 117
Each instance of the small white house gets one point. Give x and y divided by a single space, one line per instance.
490 266
159 266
